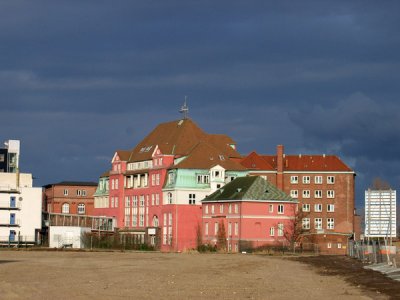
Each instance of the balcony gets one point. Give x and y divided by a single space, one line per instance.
8 188
10 204
9 222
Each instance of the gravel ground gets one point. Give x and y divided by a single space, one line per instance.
132 275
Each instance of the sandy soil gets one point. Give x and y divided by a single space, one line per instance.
117 275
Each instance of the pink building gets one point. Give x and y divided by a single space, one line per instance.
252 212
154 190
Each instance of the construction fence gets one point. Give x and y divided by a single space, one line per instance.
374 252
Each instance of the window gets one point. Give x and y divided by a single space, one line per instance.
306 194
236 208
83 192
206 210
317 207
330 194
116 184
280 229
192 198
212 209
230 208
318 223
203 179
305 222
134 202
280 208
339 245
116 201
329 245
81 208
330 223
229 228
152 199
236 228
318 179
294 193
65 208
306 179
331 179
65 192
1 157
171 178
271 208
206 229
78 192
272 231
221 209
318 194
153 179
157 179
330 207
141 203
306 207
169 198
215 228
294 179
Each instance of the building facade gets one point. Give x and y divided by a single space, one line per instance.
154 190
20 202
69 197
251 212
324 187
380 213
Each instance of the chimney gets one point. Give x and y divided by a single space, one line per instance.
279 166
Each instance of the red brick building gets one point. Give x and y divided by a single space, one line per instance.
324 187
69 197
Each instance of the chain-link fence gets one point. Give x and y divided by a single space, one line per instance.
114 241
372 252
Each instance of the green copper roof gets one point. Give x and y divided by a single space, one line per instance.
249 188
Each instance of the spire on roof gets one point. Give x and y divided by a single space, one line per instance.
184 109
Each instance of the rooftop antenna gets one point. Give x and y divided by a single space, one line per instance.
184 109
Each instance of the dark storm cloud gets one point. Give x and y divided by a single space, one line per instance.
79 79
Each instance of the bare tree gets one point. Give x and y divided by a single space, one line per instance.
380 184
199 236
294 230
221 237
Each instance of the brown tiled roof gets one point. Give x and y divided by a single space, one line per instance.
295 163
105 174
314 163
179 138
256 162
205 156
124 154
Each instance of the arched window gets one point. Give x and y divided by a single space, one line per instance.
65 208
169 198
81 208
155 221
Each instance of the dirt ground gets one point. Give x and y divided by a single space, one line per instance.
353 272
130 275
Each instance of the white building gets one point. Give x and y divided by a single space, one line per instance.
20 203
20 208
380 213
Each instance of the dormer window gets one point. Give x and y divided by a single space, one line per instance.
221 157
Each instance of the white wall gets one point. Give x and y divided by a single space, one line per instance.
28 216
65 235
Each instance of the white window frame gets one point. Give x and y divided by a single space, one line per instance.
81 208
330 194
294 194
330 207
318 179
318 207
65 208
330 223
281 209
306 179
294 179
280 229
270 208
318 194
331 180
306 207
65 192
306 194
272 231
305 223
318 223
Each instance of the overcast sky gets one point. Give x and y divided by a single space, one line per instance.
80 79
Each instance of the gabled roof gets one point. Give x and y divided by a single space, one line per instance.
256 162
252 188
123 155
206 156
